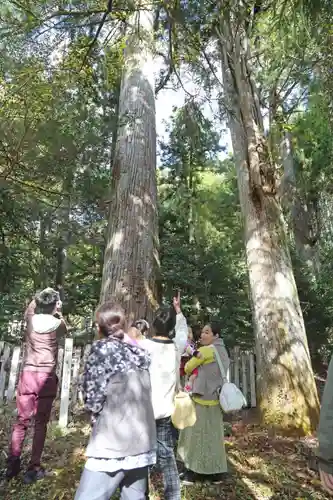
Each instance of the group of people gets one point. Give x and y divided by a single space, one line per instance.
130 380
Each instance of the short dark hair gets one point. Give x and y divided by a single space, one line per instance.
165 322
46 300
142 325
216 327
111 319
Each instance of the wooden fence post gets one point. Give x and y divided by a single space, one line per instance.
66 383
3 372
236 366
244 378
75 375
253 382
13 373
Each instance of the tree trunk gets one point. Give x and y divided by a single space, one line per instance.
131 257
64 235
42 277
191 214
306 231
304 214
189 183
286 387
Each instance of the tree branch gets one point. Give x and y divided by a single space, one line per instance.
36 188
171 68
99 29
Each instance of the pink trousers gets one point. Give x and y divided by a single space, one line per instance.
35 395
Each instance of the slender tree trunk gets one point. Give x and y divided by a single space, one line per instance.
64 235
304 214
42 278
189 184
191 208
4 264
326 217
131 257
306 232
286 387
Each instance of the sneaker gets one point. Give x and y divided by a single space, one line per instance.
188 478
13 467
33 475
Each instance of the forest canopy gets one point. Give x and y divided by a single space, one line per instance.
85 207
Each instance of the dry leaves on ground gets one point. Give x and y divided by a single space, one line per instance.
261 467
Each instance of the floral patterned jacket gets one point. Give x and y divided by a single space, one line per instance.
108 357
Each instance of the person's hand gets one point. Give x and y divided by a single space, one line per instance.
326 481
176 303
189 350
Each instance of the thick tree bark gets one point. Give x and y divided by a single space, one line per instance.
131 257
286 387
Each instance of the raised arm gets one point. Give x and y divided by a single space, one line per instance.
30 311
181 328
181 332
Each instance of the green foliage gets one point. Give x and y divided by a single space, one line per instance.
56 123
58 96
207 264
313 145
313 153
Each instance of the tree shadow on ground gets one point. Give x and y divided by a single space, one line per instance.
272 467
261 467
63 456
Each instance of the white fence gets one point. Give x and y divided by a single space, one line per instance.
71 361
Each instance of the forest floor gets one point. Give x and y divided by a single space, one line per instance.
262 467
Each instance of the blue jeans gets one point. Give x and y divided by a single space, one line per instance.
102 485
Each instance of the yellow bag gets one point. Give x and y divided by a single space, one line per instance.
184 414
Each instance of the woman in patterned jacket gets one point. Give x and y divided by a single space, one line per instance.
118 394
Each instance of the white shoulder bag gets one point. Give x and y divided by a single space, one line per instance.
231 398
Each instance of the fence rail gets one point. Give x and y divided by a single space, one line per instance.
71 361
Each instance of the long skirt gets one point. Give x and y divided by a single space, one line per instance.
201 447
